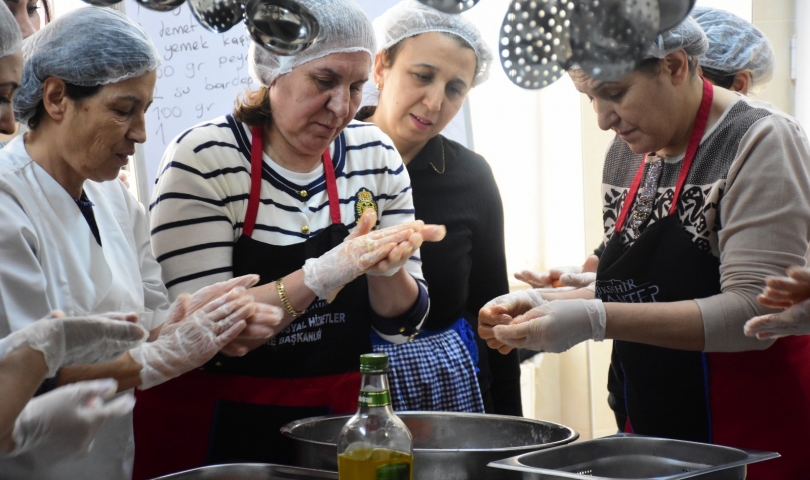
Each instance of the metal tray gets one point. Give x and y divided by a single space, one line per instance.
250 471
628 456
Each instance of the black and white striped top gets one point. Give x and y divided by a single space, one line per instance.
203 185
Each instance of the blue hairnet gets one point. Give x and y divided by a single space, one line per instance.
409 18
87 47
344 28
10 35
735 45
687 36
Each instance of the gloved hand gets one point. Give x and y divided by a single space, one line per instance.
188 341
793 321
264 324
77 340
327 274
204 295
784 292
502 310
63 422
555 326
577 277
400 255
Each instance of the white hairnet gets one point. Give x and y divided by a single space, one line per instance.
344 28
687 35
410 18
735 45
87 47
10 35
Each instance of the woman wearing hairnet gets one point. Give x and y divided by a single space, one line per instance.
83 246
740 58
426 63
706 194
11 63
275 189
48 424
29 20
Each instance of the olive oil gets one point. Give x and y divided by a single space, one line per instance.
375 464
375 444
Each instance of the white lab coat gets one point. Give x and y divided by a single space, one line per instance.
50 260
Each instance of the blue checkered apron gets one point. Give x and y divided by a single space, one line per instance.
434 372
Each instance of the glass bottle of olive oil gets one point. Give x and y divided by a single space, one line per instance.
375 444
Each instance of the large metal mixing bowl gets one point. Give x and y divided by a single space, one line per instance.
447 446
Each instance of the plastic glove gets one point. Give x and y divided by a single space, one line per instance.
77 340
62 423
577 277
784 292
264 324
206 294
555 326
502 310
793 321
400 255
187 341
327 274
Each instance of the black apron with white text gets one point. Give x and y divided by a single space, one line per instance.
231 409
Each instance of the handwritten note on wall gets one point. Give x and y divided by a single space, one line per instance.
200 77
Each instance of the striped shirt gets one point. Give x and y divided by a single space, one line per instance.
201 194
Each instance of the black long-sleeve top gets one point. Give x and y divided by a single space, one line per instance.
467 268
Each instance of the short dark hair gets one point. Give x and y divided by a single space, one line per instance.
652 66
721 79
73 92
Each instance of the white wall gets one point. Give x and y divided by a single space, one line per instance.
532 140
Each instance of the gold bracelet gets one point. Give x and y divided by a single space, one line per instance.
286 301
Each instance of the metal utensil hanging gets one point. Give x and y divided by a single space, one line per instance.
217 15
284 27
535 45
450 6
160 5
610 37
541 39
673 12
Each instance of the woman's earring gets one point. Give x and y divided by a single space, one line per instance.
379 87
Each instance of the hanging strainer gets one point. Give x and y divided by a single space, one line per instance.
217 15
534 46
541 39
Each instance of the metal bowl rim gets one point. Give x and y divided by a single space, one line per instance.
573 435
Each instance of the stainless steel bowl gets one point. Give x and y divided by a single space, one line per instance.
628 456
447 446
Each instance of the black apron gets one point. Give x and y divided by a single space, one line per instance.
735 399
231 409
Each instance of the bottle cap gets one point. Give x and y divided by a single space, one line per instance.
374 363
